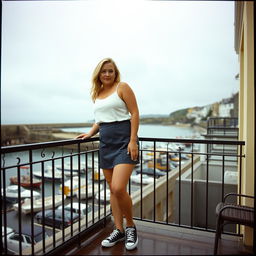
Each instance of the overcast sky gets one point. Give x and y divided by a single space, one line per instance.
174 54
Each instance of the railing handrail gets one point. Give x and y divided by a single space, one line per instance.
39 145
220 118
219 127
23 147
201 141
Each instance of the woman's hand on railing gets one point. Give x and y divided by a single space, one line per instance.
132 150
83 136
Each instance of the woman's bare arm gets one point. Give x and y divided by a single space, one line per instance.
128 96
92 132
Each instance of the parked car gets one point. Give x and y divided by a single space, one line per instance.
150 171
13 237
75 208
58 220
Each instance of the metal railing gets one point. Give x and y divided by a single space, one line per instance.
227 126
188 194
188 176
54 163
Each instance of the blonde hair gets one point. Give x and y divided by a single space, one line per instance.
96 83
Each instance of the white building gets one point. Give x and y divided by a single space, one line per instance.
199 113
224 109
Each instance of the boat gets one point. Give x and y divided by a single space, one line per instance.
24 167
176 147
25 181
67 168
38 204
68 191
12 193
160 164
48 174
99 175
145 179
69 174
174 157
101 196
90 191
151 172
147 157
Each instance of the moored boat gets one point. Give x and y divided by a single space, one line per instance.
38 204
151 172
49 174
68 168
25 181
71 189
88 191
12 193
98 175
144 179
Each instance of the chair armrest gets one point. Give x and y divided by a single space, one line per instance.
237 195
237 207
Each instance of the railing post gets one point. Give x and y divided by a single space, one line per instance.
207 186
192 189
19 208
154 202
79 191
32 201
141 191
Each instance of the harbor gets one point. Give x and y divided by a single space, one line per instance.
59 169
59 181
80 196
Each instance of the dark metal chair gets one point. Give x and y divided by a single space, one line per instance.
232 213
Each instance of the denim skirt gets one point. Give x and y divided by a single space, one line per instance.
114 140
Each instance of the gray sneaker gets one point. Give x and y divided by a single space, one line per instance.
131 238
113 238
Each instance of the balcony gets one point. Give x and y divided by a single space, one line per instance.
222 127
158 239
175 212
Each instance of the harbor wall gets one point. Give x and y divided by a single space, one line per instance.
16 134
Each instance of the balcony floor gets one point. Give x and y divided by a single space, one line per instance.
157 239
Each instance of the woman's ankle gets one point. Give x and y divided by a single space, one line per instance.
130 224
120 228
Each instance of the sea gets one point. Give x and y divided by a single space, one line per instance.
154 131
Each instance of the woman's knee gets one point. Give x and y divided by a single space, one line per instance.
118 191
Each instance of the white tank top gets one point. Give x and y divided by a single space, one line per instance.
110 109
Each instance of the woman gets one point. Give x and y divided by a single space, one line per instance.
117 119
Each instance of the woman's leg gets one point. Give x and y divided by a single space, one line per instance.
116 211
122 199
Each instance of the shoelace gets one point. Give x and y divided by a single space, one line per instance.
113 235
130 234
